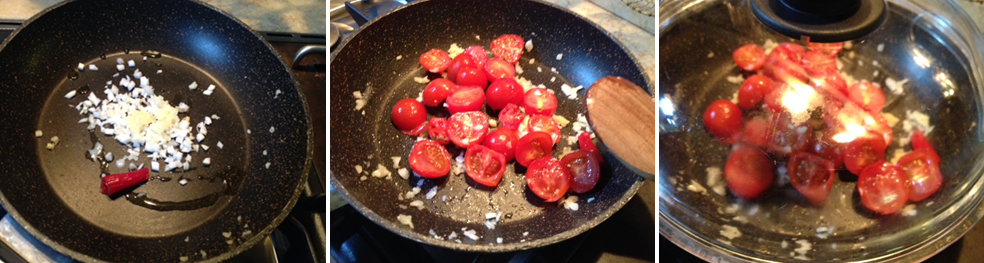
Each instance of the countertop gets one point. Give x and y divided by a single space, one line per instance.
639 42
295 16
310 16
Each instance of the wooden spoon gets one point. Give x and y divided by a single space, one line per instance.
623 117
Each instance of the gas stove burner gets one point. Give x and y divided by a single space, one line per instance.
333 34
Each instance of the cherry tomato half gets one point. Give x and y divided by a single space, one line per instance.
477 54
883 188
923 173
811 175
503 141
547 124
497 68
540 101
435 61
508 47
429 159
825 147
548 178
585 143
817 64
756 132
584 170
511 117
438 90
787 136
534 145
437 128
863 151
829 49
749 172
467 129
504 91
466 98
867 95
409 116
753 90
919 142
484 165
749 57
471 76
722 118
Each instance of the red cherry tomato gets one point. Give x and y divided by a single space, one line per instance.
883 188
508 47
722 118
477 54
437 128
749 172
867 95
753 90
817 63
497 68
429 159
832 85
923 173
919 142
749 57
547 124
783 63
504 91
540 101
829 49
773 100
511 117
466 98
789 51
503 141
534 145
548 178
484 165
825 147
863 151
470 76
435 60
585 143
584 170
467 129
438 90
459 63
788 137
409 116
811 175
756 132
880 127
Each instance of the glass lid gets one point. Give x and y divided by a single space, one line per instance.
781 149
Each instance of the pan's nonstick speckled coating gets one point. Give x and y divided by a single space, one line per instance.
225 208
368 63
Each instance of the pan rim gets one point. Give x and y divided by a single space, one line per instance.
556 238
249 243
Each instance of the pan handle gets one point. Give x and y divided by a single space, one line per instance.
306 50
358 16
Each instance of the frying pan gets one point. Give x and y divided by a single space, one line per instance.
225 208
368 62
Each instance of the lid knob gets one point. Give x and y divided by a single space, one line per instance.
821 20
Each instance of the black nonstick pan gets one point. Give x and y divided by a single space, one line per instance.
203 213
381 62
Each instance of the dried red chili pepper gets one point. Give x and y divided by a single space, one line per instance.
111 184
